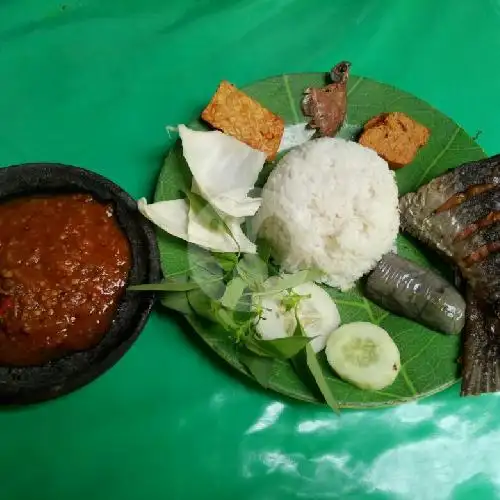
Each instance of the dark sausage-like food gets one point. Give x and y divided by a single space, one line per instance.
404 288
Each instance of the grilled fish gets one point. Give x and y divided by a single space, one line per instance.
458 215
431 196
438 229
447 225
477 245
481 350
484 278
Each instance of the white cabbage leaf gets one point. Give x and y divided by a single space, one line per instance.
177 219
224 170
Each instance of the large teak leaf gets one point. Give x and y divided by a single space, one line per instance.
429 360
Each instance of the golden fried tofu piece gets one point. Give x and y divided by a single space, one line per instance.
238 115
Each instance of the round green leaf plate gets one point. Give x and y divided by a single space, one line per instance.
428 359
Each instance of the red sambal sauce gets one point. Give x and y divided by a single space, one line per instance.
64 263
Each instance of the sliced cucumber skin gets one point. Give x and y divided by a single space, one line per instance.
274 323
271 327
370 377
327 308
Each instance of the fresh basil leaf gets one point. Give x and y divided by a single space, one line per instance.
276 284
291 300
316 371
287 347
247 303
260 368
246 324
284 348
206 271
238 323
319 377
253 270
244 315
208 308
253 345
202 304
233 293
264 250
167 286
204 263
274 269
227 261
226 319
177 301
302 371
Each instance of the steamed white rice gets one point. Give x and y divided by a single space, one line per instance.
332 205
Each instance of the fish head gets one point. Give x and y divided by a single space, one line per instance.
340 72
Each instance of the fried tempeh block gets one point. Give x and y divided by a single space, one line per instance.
395 137
236 114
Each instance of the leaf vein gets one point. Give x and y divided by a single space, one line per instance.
369 310
407 380
381 318
419 353
354 86
382 393
440 155
349 303
288 91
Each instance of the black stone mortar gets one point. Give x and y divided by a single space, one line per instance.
30 384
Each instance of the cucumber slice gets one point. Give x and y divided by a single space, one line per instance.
275 322
364 355
317 314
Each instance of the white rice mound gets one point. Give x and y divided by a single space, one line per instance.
331 205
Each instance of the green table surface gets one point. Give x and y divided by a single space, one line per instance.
93 83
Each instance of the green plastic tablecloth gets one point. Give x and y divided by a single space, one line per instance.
93 83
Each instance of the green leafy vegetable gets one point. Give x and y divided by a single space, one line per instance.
291 300
244 314
167 287
202 305
177 301
277 284
315 369
206 271
264 250
227 261
225 318
238 322
254 345
321 381
428 360
284 348
253 270
233 293
260 368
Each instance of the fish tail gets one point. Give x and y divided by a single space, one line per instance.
481 376
481 351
